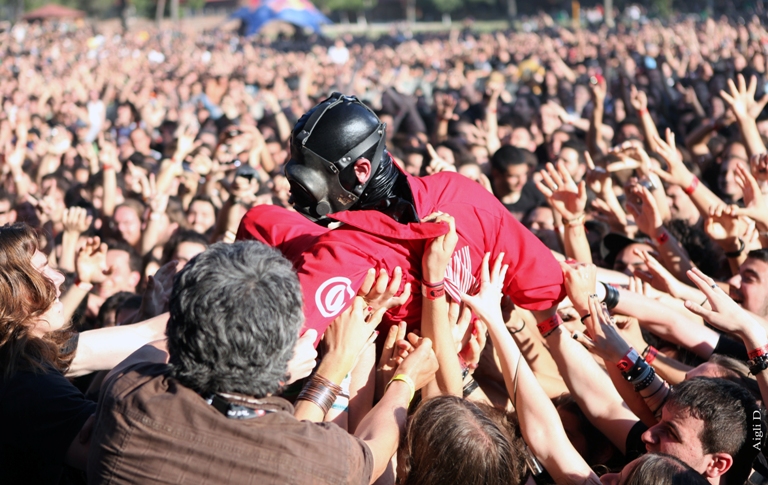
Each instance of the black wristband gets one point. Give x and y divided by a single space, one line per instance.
736 254
611 296
638 371
470 387
647 381
758 364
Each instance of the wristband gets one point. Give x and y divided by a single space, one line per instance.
691 188
645 379
576 221
758 352
433 285
470 388
155 216
83 285
629 360
736 254
643 111
611 296
107 166
650 354
433 293
405 378
758 364
663 238
549 325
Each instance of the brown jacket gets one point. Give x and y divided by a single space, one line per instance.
151 429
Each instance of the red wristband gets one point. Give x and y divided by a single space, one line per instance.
433 292
691 188
77 283
628 361
663 238
433 285
651 355
549 325
753 354
643 111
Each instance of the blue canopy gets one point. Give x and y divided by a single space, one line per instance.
297 12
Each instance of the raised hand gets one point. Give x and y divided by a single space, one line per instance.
657 275
605 339
742 100
158 291
599 91
562 193
487 303
437 163
643 207
638 99
380 292
724 226
758 164
754 202
304 357
438 252
580 281
158 201
396 349
91 261
678 173
598 179
76 220
726 314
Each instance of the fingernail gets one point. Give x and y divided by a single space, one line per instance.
575 336
398 270
376 333
369 309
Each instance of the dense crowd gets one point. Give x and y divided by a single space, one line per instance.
144 340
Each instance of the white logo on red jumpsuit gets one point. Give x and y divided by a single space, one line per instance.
331 296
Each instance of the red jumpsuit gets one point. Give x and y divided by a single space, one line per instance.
332 264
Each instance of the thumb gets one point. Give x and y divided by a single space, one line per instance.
310 335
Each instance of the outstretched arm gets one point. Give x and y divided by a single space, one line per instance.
539 421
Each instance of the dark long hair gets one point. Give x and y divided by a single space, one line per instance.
25 295
452 440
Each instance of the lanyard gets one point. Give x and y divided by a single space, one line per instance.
234 411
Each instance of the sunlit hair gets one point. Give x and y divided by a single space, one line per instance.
452 440
25 295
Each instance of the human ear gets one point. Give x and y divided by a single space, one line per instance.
362 170
718 465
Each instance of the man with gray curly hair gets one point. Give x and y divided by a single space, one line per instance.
209 415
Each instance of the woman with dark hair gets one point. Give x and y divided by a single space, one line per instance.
42 415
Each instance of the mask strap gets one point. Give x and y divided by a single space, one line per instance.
309 126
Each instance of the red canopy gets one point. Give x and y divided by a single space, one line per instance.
53 11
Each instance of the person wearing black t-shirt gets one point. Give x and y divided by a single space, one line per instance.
44 419
509 170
